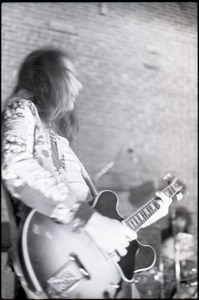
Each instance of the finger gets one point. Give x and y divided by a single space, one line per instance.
162 211
165 199
129 233
116 257
126 243
122 251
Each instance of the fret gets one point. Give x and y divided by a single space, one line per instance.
143 215
136 220
156 204
139 220
168 192
132 221
132 225
142 218
145 210
153 207
129 223
136 227
138 216
174 189
149 209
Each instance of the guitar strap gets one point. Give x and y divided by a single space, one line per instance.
89 182
56 161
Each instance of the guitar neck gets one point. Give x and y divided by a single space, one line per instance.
138 218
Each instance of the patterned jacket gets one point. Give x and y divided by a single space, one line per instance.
39 168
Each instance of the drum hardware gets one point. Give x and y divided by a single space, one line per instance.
183 248
178 263
162 283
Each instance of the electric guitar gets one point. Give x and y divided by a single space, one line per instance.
59 261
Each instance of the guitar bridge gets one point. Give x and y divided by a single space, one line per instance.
81 267
67 278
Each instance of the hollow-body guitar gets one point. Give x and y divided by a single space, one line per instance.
60 261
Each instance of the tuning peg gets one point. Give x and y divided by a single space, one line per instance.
179 196
168 178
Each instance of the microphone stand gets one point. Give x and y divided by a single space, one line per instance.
113 162
176 253
161 272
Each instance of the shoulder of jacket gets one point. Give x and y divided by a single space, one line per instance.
25 104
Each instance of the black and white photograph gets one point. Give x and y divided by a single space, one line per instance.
99 147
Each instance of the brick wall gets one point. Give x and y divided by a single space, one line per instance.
138 65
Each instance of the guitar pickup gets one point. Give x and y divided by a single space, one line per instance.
81 267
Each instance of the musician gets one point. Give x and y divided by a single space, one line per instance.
179 222
39 167
182 223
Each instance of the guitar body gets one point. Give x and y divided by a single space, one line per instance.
69 264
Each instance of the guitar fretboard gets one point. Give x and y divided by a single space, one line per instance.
136 220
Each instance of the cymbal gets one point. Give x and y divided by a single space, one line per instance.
183 245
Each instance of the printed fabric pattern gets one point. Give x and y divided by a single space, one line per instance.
29 170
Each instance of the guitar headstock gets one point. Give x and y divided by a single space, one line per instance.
173 180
